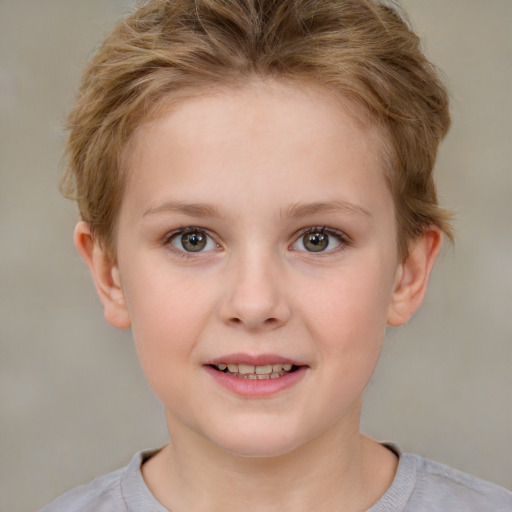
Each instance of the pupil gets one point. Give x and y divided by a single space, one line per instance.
193 242
316 242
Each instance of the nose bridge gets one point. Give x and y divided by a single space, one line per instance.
254 295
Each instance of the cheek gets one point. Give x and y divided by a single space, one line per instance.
348 309
168 313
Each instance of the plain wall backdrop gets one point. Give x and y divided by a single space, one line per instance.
73 401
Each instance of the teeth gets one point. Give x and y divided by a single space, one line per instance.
245 369
248 371
262 370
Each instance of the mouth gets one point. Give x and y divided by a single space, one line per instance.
253 372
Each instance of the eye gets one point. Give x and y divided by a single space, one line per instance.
319 240
192 240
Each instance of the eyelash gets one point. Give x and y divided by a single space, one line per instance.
340 237
170 237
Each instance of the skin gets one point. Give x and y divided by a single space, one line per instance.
256 167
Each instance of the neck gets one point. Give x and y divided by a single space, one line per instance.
342 469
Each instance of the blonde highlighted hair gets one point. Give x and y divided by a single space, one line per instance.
362 49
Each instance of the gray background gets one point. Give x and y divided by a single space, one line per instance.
73 401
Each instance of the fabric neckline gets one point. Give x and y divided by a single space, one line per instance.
138 497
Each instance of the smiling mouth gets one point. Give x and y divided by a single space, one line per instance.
263 372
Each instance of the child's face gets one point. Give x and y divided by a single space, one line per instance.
257 229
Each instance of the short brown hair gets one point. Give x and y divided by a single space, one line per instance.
363 49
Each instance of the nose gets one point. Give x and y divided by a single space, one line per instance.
254 296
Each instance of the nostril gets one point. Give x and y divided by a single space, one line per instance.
268 322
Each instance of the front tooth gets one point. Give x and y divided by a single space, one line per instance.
261 370
287 367
244 369
277 367
233 368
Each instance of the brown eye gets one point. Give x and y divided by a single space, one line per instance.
193 240
315 242
320 240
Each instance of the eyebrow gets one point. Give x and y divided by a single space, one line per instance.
190 209
297 210
306 209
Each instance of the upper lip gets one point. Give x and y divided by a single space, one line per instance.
254 360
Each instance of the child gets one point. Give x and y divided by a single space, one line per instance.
255 186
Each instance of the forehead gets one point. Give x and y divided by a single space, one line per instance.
259 99
265 138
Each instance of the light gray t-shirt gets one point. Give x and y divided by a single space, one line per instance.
419 485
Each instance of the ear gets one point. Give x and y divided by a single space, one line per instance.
412 276
105 275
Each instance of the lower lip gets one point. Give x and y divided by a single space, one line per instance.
256 388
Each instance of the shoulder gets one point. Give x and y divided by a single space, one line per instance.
121 490
439 487
421 485
102 494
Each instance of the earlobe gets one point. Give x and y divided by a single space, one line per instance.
413 275
105 275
